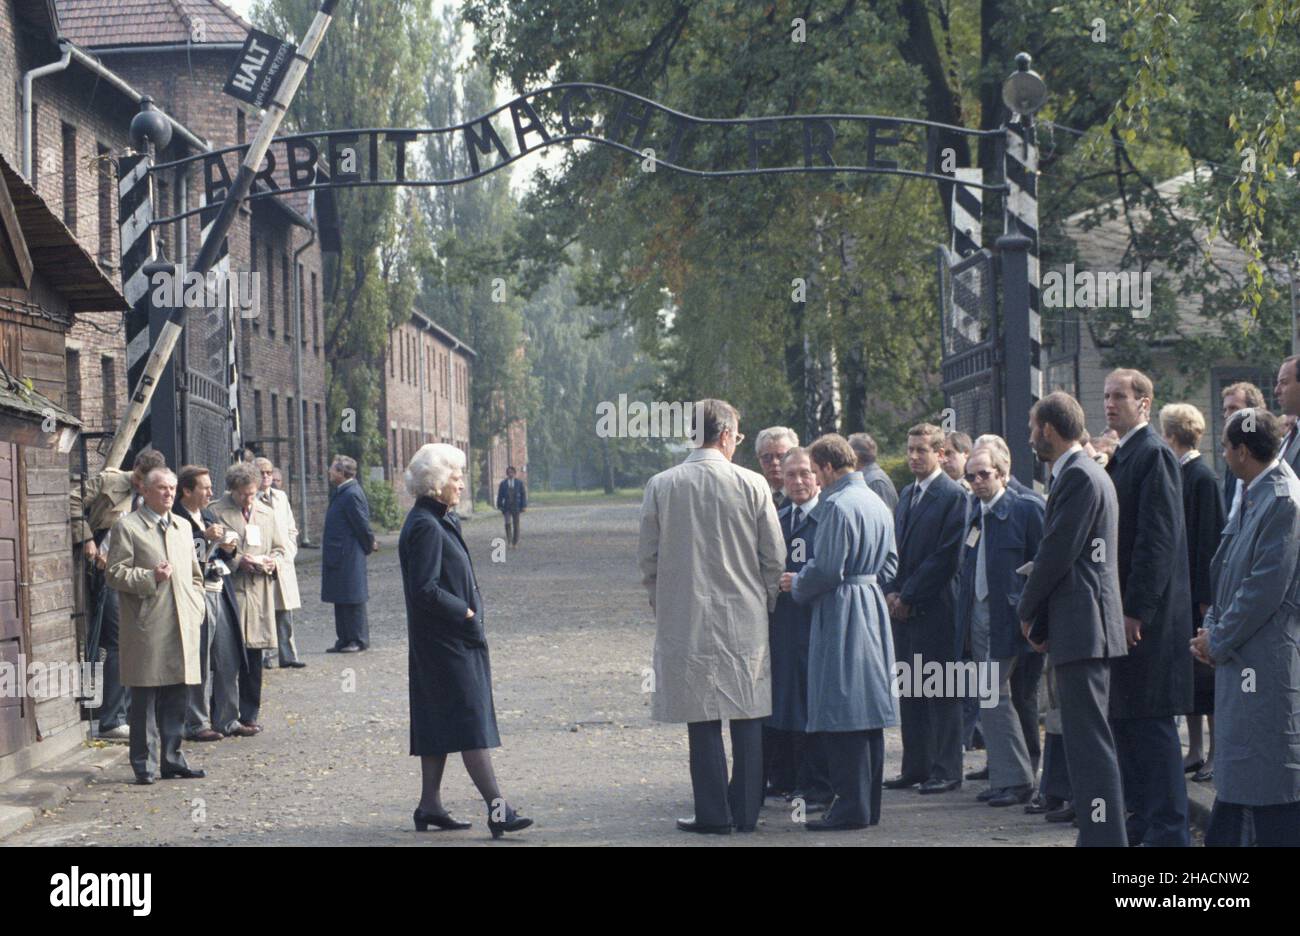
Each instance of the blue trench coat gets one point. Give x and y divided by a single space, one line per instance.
851 647
1254 627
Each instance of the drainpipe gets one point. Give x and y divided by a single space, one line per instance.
28 78
423 428
303 526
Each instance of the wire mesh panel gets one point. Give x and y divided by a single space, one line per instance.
968 317
207 412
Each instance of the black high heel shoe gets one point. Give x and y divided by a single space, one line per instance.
513 822
425 819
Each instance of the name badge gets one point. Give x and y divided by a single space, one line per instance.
973 538
253 535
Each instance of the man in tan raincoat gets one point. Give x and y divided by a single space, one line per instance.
711 556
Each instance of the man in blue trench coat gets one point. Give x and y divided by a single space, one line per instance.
850 648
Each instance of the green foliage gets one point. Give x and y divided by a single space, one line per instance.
385 512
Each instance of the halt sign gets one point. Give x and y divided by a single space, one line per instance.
259 69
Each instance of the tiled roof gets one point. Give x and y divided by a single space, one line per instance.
92 23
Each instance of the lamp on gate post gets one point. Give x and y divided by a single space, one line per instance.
1024 93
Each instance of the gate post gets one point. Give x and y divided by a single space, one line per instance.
1019 393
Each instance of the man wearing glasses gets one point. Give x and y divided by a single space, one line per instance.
771 446
1002 535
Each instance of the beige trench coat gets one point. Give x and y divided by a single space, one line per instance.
711 557
286 579
254 591
158 639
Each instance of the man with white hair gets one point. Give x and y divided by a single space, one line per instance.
151 564
286 575
712 586
770 447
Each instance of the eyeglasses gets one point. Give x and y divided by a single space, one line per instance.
983 474
770 458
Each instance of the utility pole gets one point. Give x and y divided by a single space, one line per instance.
211 246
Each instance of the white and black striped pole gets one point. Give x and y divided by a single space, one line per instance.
1023 93
967 211
213 245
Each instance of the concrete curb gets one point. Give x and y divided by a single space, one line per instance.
25 797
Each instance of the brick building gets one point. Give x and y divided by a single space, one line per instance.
181 54
425 396
56 241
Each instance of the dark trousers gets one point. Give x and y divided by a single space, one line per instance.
157 719
112 712
512 526
228 665
1274 826
1024 699
1055 779
794 761
717 801
1155 790
931 730
351 625
857 762
1083 690
250 687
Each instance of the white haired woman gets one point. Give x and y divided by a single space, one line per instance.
450 676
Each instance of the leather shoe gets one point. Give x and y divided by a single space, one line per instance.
188 773
351 648
440 820
939 786
990 793
252 726
296 664
690 825
245 731
143 780
901 783
981 774
334 649
1064 813
1012 796
1041 804
207 734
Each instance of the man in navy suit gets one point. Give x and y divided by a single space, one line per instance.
922 602
512 500
347 541
1239 396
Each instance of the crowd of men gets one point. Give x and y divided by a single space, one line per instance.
1137 589
191 597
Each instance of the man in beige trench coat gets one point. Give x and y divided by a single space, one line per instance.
259 550
151 564
287 599
711 556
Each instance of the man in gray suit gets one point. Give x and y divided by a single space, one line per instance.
864 447
1071 605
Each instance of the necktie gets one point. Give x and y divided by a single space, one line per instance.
981 570
794 519
916 495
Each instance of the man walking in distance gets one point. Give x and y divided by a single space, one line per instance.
512 500
151 564
287 600
345 544
712 586
1071 607
109 496
1153 684
922 598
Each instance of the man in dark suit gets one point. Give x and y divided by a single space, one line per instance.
1287 394
346 542
1153 684
922 602
1071 607
1237 397
770 447
512 500
864 447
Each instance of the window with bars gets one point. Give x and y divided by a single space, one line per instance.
270 291
108 389
315 313
257 415
70 176
300 313
320 444
255 268
290 421
104 201
286 299
275 428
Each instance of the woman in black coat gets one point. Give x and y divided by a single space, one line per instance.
1182 426
450 676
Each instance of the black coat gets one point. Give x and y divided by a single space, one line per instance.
1204 511
789 629
450 675
345 543
1155 679
929 546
